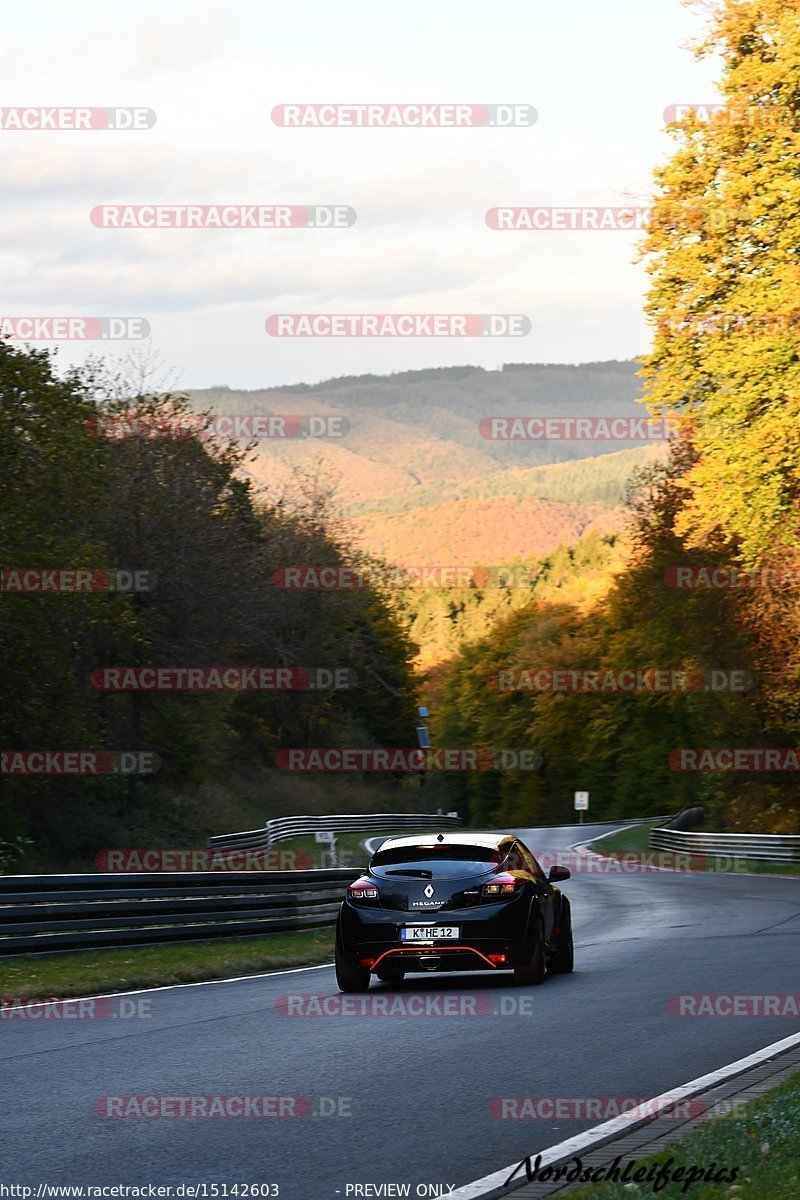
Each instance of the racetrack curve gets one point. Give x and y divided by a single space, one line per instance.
418 1088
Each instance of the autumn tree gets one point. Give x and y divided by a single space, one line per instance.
724 255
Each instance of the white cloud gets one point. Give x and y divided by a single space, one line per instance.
212 72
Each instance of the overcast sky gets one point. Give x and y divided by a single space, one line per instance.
600 77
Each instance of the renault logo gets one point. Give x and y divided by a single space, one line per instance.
428 891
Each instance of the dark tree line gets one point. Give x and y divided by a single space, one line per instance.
180 508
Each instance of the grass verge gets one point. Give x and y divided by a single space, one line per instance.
635 839
761 1141
85 972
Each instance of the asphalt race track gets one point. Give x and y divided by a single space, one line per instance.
417 1089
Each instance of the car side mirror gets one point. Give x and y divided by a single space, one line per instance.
558 873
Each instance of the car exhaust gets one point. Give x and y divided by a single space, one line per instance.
429 962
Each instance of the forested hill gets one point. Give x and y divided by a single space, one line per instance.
420 481
425 425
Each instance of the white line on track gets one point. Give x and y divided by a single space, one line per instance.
491 1186
168 987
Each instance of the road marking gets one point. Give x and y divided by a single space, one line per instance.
168 987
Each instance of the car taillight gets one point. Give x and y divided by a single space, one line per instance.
502 887
363 891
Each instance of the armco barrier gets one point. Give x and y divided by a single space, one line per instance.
283 828
761 847
43 913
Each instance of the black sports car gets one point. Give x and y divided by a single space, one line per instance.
453 902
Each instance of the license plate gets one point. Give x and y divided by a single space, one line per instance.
428 933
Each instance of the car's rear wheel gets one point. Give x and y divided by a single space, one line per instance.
532 970
563 962
390 973
350 978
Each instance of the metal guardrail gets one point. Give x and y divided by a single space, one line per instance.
283 828
760 847
45 913
40 914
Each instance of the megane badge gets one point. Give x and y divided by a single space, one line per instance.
428 891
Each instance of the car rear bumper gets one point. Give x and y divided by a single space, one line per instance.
458 957
489 939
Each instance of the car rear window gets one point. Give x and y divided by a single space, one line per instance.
440 852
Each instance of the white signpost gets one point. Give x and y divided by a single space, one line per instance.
328 839
581 804
423 737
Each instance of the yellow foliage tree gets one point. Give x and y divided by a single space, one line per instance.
723 251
